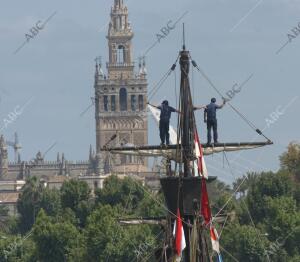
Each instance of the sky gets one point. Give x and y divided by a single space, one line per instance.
47 83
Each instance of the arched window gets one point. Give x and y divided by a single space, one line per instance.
141 102
105 103
113 103
133 103
123 99
121 54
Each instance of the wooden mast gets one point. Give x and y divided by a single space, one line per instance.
186 108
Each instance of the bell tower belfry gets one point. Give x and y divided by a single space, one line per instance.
119 42
121 94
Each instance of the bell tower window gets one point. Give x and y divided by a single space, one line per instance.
113 103
123 99
105 103
141 102
133 103
121 54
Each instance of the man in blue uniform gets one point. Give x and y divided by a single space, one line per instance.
210 118
164 122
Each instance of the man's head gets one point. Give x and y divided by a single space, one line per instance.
213 100
165 102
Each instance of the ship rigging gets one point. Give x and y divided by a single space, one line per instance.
189 223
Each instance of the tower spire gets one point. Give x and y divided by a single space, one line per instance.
140 65
96 68
144 65
91 153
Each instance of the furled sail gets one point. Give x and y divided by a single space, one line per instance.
172 152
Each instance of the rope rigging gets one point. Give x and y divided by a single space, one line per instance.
257 130
159 84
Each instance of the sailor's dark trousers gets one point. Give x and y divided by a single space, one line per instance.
164 131
212 124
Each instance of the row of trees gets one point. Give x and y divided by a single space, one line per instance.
267 224
71 224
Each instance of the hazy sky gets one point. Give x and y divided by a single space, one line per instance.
51 76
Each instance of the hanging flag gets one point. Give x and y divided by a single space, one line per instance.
178 232
200 163
215 242
205 208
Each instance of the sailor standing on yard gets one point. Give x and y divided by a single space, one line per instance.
164 122
210 118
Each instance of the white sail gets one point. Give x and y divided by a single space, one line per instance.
156 114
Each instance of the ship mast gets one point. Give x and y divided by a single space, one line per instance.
186 124
186 131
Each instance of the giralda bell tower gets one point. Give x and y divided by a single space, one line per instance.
121 95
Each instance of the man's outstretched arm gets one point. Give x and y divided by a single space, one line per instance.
152 105
199 107
175 110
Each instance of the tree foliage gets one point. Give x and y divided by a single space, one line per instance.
71 224
290 160
76 195
244 244
54 241
268 206
28 203
126 192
